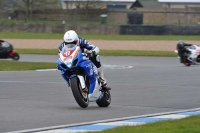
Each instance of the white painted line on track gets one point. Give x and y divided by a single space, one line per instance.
47 70
104 67
172 116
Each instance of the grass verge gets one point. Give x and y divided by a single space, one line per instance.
185 125
9 65
38 51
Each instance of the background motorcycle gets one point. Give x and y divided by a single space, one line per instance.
193 57
81 75
7 51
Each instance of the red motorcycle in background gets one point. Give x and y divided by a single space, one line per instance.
7 51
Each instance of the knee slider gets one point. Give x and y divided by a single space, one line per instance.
98 58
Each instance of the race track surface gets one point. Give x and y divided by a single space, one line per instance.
140 86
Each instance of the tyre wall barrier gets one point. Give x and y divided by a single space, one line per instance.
159 30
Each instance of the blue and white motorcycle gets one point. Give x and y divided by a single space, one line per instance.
82 76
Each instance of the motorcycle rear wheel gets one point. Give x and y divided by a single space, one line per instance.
15 56
105 100
186 63
80 96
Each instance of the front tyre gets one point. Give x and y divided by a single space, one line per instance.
105 100
80 96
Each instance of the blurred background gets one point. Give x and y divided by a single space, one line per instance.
137 17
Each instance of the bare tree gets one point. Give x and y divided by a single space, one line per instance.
28 8
0 8
91 4
30 5
7 5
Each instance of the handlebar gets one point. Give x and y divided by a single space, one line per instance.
88 53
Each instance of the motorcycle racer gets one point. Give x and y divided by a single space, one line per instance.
71 37
182 50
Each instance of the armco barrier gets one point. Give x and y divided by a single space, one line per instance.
159 30
104 29
142 30
182 30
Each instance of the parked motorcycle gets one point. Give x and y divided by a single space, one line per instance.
7 51
192 56
81 75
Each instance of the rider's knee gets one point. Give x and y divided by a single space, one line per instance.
96 60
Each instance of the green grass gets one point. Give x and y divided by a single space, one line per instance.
12 21
30 35
38 51
7 65
103 52
185 125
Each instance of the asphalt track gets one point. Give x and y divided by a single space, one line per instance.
140 86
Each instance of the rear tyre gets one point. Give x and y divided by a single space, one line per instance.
80 96
186 63
105 100
15 56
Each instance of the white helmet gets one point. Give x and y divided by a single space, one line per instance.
70 37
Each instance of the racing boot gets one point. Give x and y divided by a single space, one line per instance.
103 79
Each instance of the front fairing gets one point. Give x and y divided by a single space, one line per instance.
194 50
72 57
194 54
68 56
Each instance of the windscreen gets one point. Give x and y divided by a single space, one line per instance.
192 47
5 44
69 47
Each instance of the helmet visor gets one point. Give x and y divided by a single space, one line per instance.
74 42
70 45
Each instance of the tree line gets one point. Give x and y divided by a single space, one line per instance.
28 6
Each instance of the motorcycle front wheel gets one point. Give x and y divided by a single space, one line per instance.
80 96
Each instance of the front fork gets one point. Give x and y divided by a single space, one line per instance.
80 77
82 81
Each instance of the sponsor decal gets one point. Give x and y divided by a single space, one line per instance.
198 52
68 53
91 71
